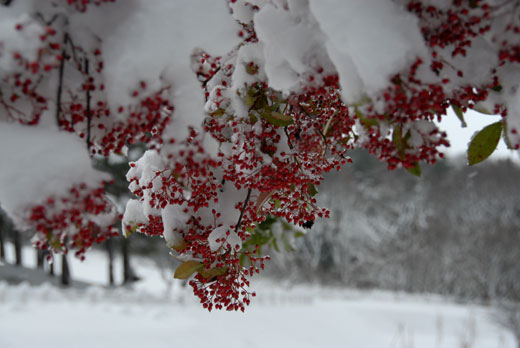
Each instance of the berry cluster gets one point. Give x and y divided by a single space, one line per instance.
80 97
404 133
401 133
74 221
22 96
82 5
81 108
271 149
277 151
91 118
188 178
454 27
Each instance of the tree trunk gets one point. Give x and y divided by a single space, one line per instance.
39 258
17 247
128 273
110 252
2 248
65 273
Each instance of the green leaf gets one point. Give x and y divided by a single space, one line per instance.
217 113
252 118
251 68
277 118
55 243
366 122
484 143
212 272
397 138
129 229
506 138
275 245
313 191
267 223
415 170
241 259
249 100
187 268
482 110
460 115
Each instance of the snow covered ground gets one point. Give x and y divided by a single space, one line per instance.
148 315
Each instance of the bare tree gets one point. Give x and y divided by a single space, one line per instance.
508 316
129 275
2 246
110 252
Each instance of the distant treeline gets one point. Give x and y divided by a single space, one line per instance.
455 230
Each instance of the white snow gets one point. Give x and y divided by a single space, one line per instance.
371 39
219 237
163 38
292 42
24 42
281 316
38 163
173 217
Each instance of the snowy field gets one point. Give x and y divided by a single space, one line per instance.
155 313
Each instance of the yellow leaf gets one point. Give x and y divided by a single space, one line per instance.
186 269
212 272
179 246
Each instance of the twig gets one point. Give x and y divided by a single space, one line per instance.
288 138
8 108
243 210
73 48
322 135
40 17
311 117
205 82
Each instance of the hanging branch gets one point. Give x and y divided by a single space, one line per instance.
89 115
60 80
